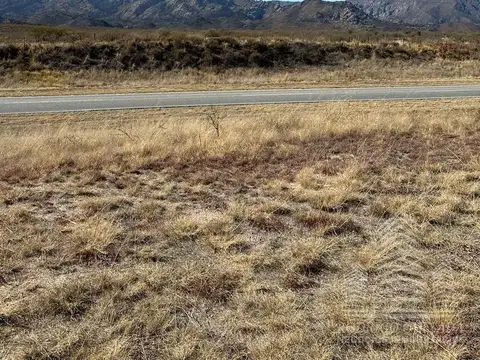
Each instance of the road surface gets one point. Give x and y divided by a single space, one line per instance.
39 104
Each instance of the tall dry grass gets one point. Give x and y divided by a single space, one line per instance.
363 73
136 139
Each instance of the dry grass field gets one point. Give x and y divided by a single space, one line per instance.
320 231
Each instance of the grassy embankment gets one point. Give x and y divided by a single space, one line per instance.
38 60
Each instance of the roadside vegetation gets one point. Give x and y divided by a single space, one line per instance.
48 58
314 231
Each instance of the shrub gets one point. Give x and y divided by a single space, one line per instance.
48 33
216 52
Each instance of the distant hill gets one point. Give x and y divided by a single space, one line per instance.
181 13
423 12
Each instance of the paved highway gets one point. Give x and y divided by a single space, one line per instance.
39 104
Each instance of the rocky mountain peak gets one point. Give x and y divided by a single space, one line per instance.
423 12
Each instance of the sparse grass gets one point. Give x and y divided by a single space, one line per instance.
317 231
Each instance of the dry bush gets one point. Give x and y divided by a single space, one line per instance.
219 53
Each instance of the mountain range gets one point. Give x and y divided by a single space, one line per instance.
422 12
239 13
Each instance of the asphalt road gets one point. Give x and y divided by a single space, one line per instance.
39 104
